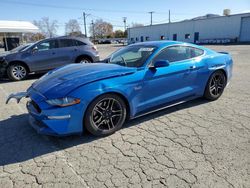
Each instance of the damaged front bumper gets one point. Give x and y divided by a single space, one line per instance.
46 119
3 68
18 96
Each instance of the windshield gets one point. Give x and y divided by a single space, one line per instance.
20 48
132 56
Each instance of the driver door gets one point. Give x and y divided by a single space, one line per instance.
169 84
44 56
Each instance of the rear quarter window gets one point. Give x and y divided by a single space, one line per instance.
79 43
195 52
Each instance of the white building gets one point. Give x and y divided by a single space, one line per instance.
15 30
220 29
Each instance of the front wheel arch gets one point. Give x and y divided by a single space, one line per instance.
21 63
11 65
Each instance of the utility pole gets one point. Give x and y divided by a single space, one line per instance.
93 29
125 21
151 15
125 24
125 27
85 27
169 16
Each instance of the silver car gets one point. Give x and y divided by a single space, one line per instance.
45 55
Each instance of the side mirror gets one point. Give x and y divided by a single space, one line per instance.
161 63
35 49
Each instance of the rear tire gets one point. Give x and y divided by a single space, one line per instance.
215 86
83 60
105 115
17 72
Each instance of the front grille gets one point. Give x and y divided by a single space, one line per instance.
37 108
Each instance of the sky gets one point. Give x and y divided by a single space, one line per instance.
113 11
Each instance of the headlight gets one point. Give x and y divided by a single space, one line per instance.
66 101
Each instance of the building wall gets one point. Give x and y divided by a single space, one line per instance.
224 27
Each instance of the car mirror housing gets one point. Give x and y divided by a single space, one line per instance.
161 63
35 49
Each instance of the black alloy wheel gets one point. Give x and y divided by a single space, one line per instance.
105 115
215 86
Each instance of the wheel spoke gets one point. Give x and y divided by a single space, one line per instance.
108 124
111 121
96 110
108 104
99 124
107 114
101 109
216 91
116 113
212 88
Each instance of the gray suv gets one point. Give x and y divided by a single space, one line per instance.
45 55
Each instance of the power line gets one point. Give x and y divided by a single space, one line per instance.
87 9
71 7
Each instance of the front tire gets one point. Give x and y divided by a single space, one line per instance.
105 115
17 72
215 86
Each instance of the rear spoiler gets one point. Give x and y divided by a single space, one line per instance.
223 52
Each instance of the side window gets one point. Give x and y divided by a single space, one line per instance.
46 45
64 43
178 53
172 54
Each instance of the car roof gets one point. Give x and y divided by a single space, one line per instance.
83 39
165 43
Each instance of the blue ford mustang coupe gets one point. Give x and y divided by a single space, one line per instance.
133 81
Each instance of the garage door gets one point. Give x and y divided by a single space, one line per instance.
245 29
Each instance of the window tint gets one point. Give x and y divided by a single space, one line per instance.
195 52
132 56
178 53
63 43
47 45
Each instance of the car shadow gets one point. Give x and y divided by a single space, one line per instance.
20 142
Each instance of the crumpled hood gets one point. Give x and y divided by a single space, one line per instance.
60 82
3 54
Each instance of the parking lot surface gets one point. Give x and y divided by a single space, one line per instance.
196 144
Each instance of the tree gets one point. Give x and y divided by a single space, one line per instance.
101 29
72 27
37 36
118 34
47 27
136 25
